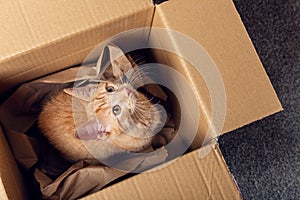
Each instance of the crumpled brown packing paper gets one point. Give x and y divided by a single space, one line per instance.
58 179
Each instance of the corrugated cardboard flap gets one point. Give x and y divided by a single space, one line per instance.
189 177
40 37
217 27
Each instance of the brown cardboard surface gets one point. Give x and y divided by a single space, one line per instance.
200 89
216 26
11 181
187 178
40 37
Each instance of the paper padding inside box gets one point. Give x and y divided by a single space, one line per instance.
19 114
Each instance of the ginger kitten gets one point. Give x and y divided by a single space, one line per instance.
111 110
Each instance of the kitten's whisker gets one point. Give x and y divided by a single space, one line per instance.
140 111
140 76
145 101
142 102
140 63
140 69
129 74
134 74
142 115
158 102
139 59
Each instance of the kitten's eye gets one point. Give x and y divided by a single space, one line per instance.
110 89
116 110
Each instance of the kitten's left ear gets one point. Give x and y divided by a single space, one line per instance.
84 93
121 64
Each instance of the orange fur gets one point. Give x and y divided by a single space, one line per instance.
58 121
79 113
57 124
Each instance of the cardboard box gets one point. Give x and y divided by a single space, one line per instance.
42 37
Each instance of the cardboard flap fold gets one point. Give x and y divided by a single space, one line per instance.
189 177
216 26
36 34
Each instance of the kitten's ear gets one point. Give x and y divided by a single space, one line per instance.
83 93
121 64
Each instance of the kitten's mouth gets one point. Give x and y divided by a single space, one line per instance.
128 92
102 135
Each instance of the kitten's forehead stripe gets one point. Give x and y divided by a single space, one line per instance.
99 106
100 97
101 94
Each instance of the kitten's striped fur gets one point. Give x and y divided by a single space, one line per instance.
129 130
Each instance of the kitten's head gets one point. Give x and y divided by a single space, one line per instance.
115 107
134 113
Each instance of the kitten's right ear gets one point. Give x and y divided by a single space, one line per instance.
121 64
84 93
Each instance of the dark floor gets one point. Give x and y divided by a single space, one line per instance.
264 157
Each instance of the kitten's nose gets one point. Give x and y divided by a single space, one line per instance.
128 91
